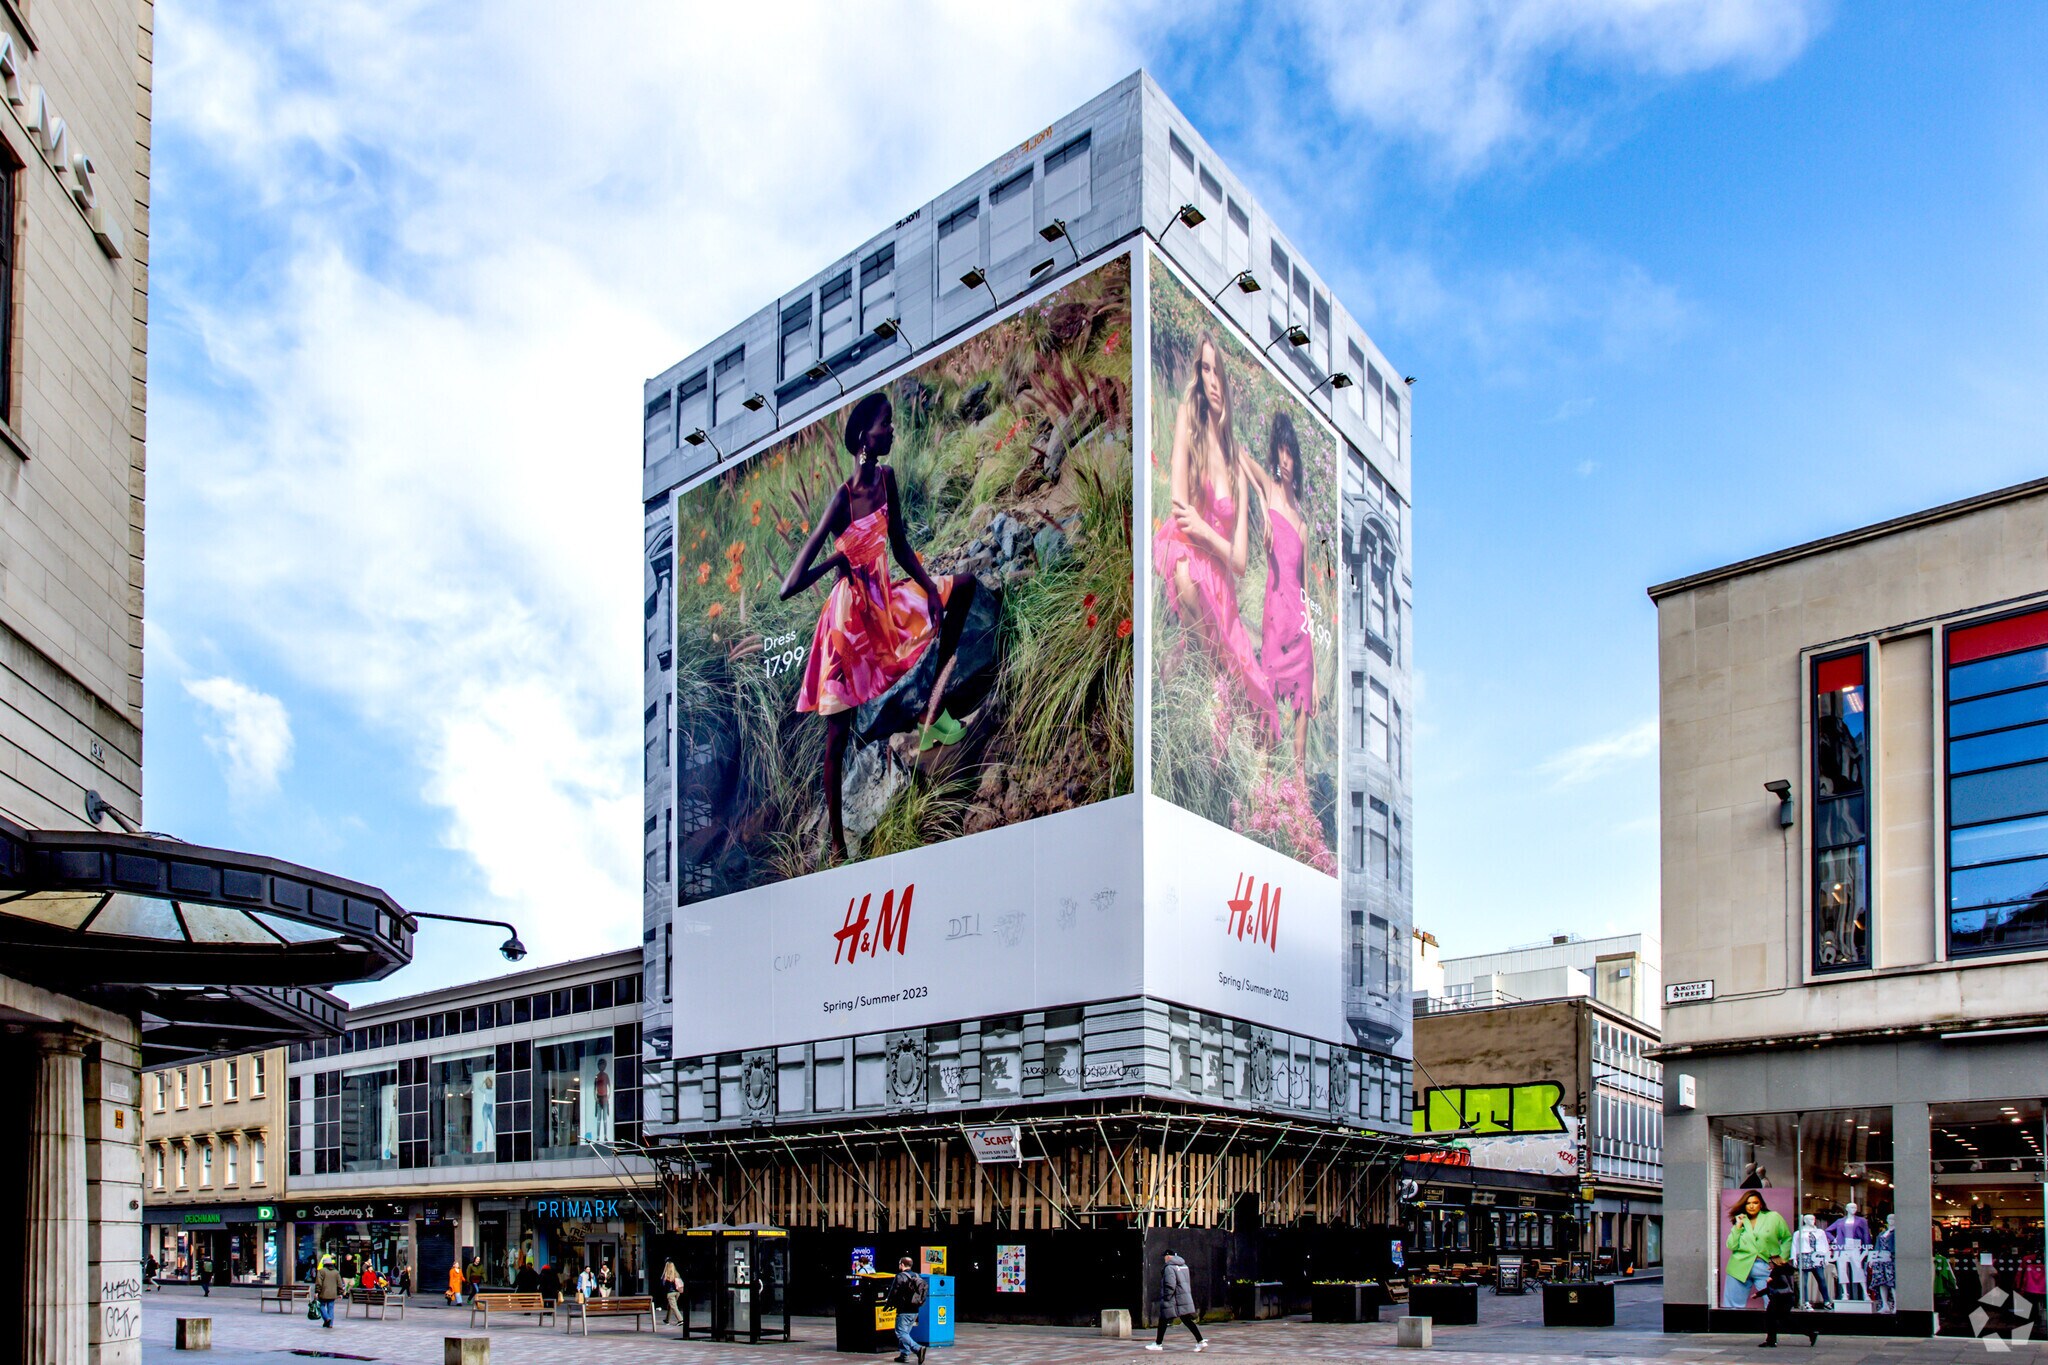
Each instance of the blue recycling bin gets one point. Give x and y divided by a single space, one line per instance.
935 1319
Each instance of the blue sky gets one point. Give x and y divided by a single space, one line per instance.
1681 281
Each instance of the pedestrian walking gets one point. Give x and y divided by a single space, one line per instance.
1176 1300
454 1294
586 1284
527 1281
1781 1291
326 1289
150 1267
604 1280
206 1279
671 1292
405 1278
550 1284
906 1296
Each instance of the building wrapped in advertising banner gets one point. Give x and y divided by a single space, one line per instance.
1027 796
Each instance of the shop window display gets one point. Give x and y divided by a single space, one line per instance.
575 1079
464 1107
1987 1211
1813 1191
369 1118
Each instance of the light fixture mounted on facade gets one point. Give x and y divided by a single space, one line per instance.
1056 231
977 278
1188 217
823 371
755 401
1296 335
1782 789
701 437
1246 282
888 329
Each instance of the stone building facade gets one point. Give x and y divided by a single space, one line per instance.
1855 870
212 1167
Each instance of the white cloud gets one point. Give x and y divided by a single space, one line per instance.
1598 757
482 227
1466 76
250 735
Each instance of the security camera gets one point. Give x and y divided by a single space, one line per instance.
513 949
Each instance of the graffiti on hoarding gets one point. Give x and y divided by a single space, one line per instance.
1262 927
1533 1107
892 929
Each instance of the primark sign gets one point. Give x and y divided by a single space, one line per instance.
578 1209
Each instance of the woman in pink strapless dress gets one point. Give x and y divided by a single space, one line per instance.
874 628
1287 651
1200 549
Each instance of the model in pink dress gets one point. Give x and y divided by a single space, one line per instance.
1287 652
873 628
1200 550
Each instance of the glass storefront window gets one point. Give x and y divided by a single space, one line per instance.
1997 702
463 1108
1815 1191
369 1118
574 1079
1841 824
1987 1211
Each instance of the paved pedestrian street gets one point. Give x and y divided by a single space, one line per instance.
1510 1330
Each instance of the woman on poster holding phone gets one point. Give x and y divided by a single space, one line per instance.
1201 549
873 628
1287 649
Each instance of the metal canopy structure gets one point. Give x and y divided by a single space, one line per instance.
187 1023
83 909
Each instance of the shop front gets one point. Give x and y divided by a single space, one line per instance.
226 1243
375 1232
603 1230
1462 1217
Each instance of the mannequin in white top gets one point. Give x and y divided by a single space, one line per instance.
1810 1254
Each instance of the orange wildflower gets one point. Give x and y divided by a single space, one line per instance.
711 612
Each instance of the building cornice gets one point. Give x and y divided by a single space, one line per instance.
1955 1031
1911 521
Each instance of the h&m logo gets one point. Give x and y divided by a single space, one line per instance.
1261 925
891 929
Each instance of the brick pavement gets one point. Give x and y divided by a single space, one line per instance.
1510 1330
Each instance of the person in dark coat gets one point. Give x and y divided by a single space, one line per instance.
1781 1291
550 1283
1176 1300
527 1281
906 1296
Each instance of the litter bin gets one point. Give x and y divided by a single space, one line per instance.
935 1319
865 1322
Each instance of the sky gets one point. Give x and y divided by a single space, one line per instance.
1680 281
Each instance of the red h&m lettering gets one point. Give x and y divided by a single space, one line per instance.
1262 926
892 930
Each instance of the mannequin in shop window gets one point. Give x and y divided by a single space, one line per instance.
1883 1268
1849 1235
1810 1250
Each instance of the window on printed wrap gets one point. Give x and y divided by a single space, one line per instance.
1358 710
1379 852
797 352
878 287
1394 856
835 314
656 430
1010 229
1211 203
1997 702
1321 343
1068 193
1399 758
1378 736
1356 951
1180 171
9 250
1393 432
728 385
1841 812
1354 397
1375 402
1357 831
1237 237
693 403
959 247
1276 289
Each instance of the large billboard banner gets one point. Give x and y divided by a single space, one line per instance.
910 620
1244 584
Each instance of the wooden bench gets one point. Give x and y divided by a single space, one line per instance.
487 1304
620 1307
284 1296
379 1299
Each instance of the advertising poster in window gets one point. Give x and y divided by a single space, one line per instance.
1009 1269
1243 545
910 621
483 1114
594 1098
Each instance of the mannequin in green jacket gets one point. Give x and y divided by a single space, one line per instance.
1755 1236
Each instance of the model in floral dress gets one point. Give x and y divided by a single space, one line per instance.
874 628
1287 653
1200 550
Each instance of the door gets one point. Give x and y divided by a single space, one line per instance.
437 1254
739 1288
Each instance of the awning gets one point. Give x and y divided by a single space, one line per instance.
87 910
